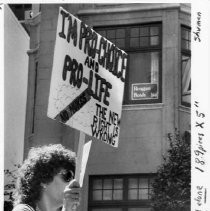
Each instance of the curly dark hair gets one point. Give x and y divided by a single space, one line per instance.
40 167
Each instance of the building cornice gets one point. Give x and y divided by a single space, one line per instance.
133 8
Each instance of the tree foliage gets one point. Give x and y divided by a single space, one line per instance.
171 188
9 187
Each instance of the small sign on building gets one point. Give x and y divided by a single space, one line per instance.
87 81
143 91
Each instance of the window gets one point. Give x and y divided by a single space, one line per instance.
185 66
143 45
20 10
120 193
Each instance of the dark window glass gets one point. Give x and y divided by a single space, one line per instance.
186 80
134 32
110 34
144 41
186 38
120 33
134 42
186 66
154 31
20 10
154 40
120 43
144 31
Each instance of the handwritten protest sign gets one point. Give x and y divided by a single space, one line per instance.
87 82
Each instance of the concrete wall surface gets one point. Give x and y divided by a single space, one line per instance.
16 44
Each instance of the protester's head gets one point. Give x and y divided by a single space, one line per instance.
40 168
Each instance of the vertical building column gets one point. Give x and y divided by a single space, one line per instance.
170 65
48 131
33 24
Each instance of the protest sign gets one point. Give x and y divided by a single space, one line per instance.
87 81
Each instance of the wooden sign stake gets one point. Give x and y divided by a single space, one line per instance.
79 161
79 155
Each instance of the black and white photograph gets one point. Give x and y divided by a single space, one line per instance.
106 105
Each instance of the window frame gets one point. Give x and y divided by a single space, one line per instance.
126 100
184 52
125 203
143 49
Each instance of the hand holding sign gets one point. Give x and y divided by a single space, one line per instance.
72 194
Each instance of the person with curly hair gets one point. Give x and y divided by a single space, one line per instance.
46 181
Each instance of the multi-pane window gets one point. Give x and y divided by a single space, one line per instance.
122 192
107 189
139 188
143 45
141 36
186 38
185 66
116 36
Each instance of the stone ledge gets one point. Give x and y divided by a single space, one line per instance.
130 8
185 109
142 107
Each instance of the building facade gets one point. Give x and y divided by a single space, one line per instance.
16 45
156 97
